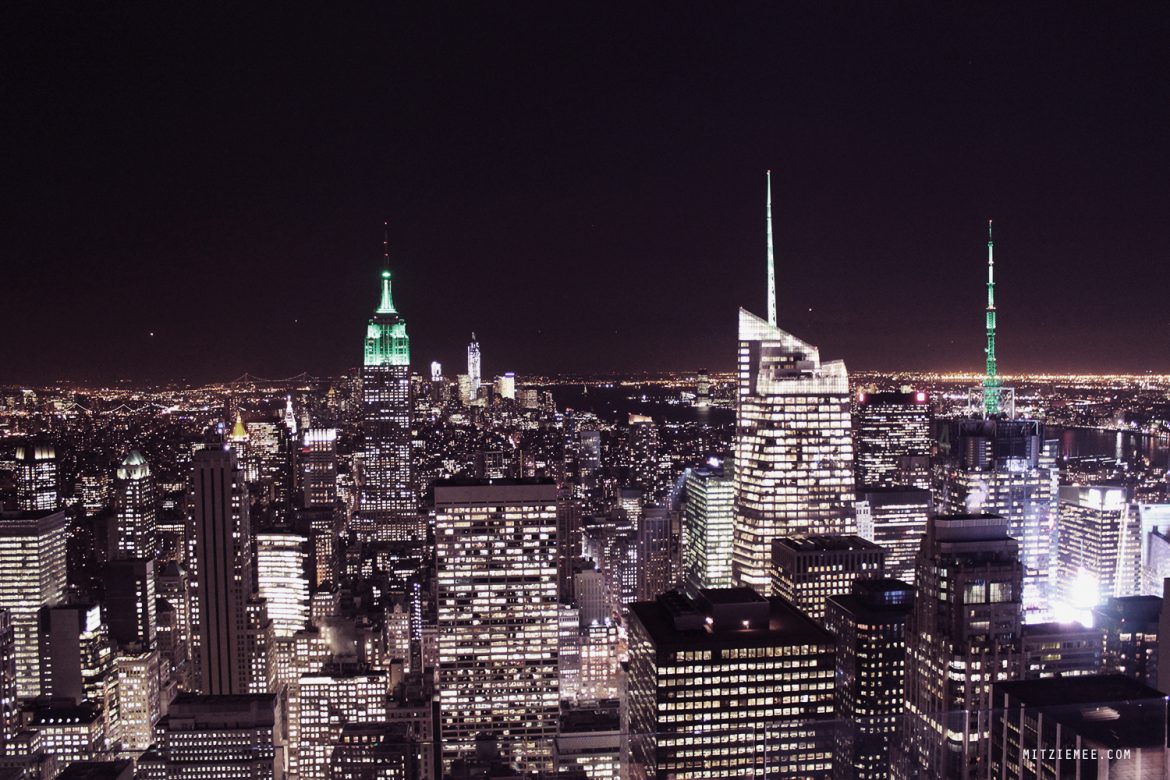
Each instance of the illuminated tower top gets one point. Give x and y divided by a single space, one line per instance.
771 259
991 383
386 341
473 366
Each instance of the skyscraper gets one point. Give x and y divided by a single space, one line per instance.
283 579
728 685
1005 467
319 467
473 368
221 573
793 442
893 439
708 524
498 618
1098 545
964 636
870 627
36 476
388 506
807 570
134 502
32 575
894 518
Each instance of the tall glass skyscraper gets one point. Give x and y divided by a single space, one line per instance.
388 506
793 442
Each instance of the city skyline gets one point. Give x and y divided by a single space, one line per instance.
231 245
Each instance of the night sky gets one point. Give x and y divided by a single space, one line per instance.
581 184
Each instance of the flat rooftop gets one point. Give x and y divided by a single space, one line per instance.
1111 710
716 621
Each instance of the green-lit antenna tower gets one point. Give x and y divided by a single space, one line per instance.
991 384
771 260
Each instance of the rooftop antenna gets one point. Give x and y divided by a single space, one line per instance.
991 382
771 260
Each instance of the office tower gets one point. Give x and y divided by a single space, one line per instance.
388 506
589 741
1059 650
1005 467
655 564
964 636
807 570
134 503
376 751
611 540
70 732
473 369
1102 726
894 518
893 439
728 684
498 619
321 704
708 524
32 575
870 626
319 467
589 593
174 617
506 387
238 736
94 491
77 657
1130 627
600 669
703 389
793 441
9 705
436 371
36 477
139 702
568 545
282 573
1098 545
129 606
220 559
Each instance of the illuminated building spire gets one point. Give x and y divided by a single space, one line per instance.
991 384
387 304
771 261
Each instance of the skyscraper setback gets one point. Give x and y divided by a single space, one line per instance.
793 442
388 506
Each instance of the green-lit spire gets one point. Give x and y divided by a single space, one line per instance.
991 383
386 341
387 304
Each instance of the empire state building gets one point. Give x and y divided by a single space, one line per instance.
387 506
